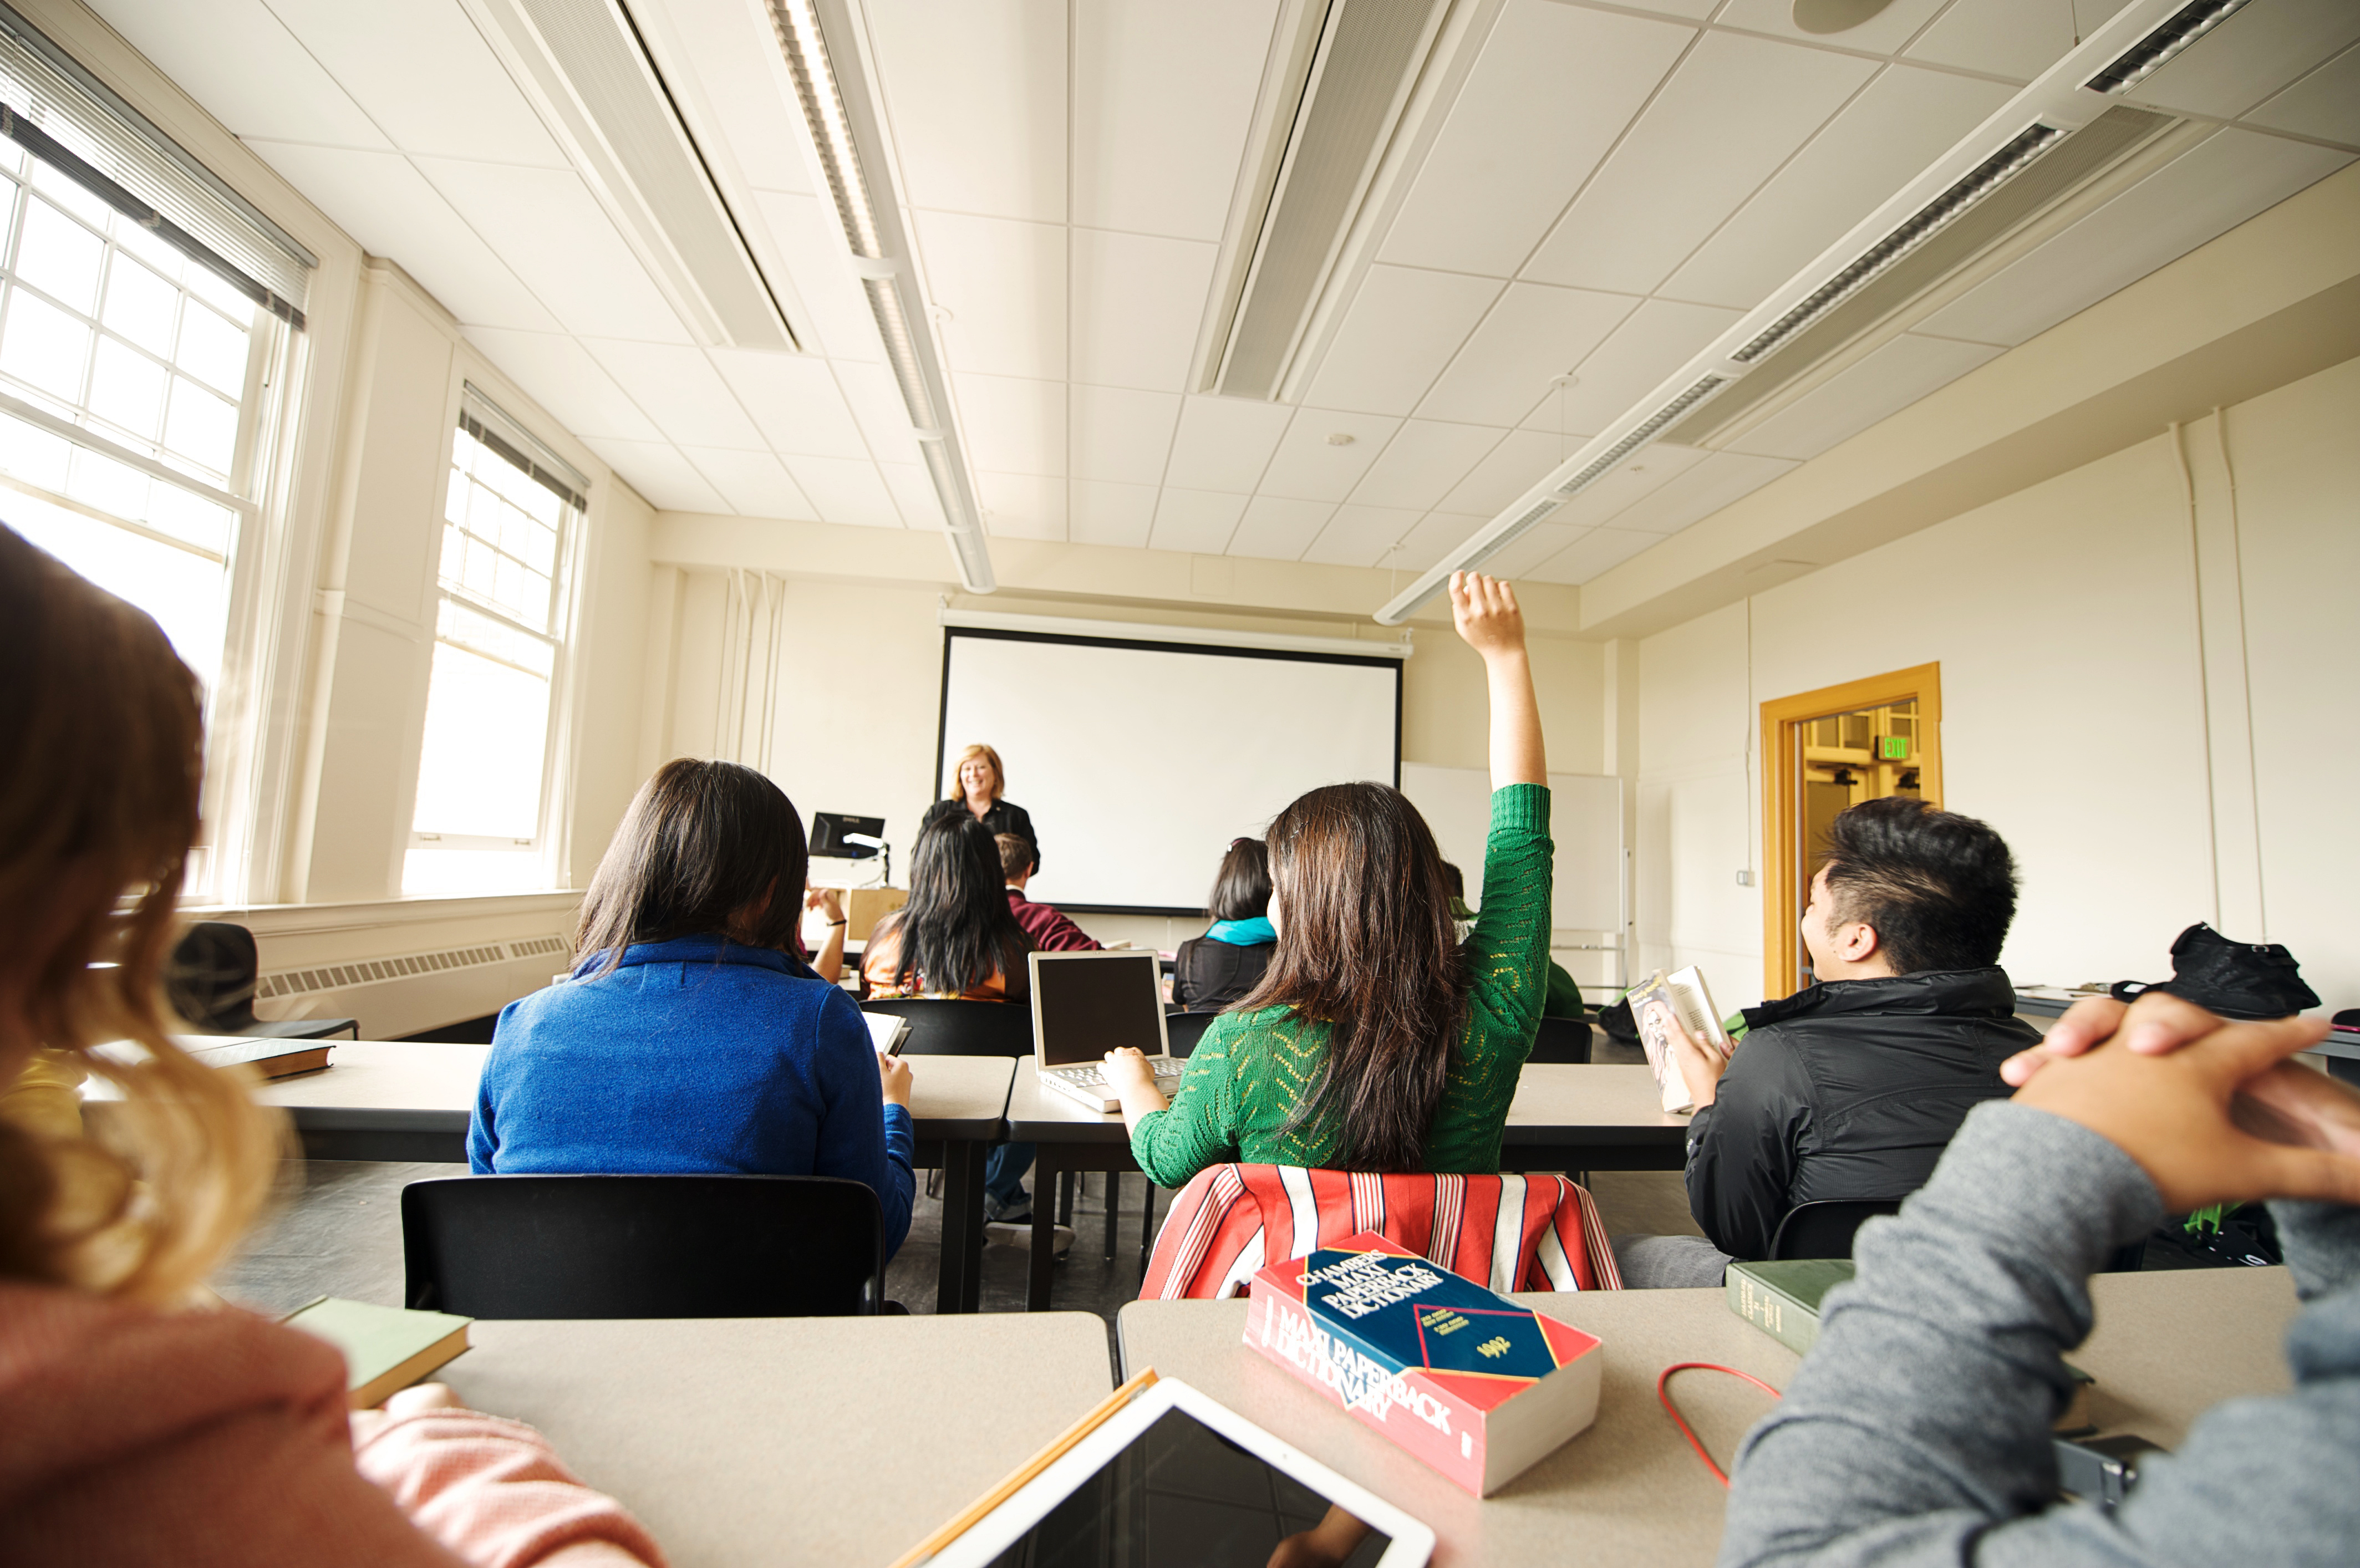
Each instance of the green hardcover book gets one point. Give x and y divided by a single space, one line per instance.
386 1348
1783 1299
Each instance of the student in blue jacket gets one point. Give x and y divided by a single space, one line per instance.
691 1038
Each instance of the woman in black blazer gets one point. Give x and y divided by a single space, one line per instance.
980 780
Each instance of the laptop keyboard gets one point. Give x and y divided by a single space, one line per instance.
1095 1077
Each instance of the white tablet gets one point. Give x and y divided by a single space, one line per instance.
1174 1477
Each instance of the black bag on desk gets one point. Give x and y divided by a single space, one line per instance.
2235 979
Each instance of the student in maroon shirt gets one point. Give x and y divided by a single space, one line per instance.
1050 932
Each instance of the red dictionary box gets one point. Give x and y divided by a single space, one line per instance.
1476 1385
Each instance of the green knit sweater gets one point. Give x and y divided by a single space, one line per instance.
1251 1069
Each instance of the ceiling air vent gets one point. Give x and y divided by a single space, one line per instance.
2183 28
1334 98
588 70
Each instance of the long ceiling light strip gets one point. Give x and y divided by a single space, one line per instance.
2143 58
872 232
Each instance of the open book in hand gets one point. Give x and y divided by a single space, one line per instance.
1684 992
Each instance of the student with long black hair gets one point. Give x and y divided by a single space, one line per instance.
1375 1041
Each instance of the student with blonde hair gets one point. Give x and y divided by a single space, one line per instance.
141 1429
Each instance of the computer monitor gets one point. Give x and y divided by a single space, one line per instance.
1087 1003
831 832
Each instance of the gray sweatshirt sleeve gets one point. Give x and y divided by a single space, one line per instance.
1916 1432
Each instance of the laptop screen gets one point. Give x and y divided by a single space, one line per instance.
1086 1004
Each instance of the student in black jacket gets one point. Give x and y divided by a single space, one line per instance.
1854 1086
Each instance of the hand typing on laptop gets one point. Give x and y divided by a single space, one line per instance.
1132 1079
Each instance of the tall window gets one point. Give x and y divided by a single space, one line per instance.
483 795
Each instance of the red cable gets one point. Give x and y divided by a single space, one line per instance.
1663 1393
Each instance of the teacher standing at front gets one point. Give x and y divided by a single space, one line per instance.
980 782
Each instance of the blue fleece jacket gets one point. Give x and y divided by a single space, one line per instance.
694 1055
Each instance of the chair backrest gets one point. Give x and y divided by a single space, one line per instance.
1825 1229
1562 1041
643 1247
950 1025
1182 1031
1508 1233
210 980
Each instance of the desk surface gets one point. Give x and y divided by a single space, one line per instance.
2166 1346
792 1440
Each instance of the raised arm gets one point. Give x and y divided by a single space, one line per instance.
1484 610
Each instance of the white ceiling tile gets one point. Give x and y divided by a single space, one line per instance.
1022 505
2326 103
1884 383
1637 476
1224 443
1597 550
1360 536
1309 466
552 233
976 93
1012 426
1528 550
1704 489
1655 340
754 484
803 230
240 61
2017 38
1694 10
558 374
1198 521
1437 534
1163 99
1735 109
878 407
1534 332
423 73
2089 15
659 472
1515 465
793 401
1875 147
844 490
680 391
914 491
1137 303
1882 34
1552 87
2251 57
1277 527
385 204
1402 328
2207 191
1102 512
1423 462
1004 286
1122 435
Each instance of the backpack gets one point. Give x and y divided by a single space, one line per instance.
2235 979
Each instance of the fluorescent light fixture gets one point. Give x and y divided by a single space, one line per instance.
1195 637
841 125
2186 26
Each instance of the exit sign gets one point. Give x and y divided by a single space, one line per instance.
1892 748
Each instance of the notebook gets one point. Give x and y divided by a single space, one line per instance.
386 1348
1087 1003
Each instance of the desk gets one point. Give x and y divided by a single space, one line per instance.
1563 1117
2166 1346
792 1440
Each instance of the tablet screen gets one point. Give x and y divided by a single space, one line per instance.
1181 1494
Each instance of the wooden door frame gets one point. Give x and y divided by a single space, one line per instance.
1780 718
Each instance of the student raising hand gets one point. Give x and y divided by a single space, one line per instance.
1485 612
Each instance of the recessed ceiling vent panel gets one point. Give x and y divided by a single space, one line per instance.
584 67
1333 101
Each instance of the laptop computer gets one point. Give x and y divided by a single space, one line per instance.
1087 1003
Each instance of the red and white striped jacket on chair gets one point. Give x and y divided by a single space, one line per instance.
1509 1232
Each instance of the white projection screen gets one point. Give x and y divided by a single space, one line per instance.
1140 761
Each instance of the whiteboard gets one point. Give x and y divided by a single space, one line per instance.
1139 762
1585 821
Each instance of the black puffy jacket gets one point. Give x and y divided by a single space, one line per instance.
1850 1089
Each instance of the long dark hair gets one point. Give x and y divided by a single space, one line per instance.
702 844
1365 945
956 931
1242 888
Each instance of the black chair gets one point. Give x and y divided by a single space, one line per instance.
643 1247
1562 1041
1825 1229
946 1025
1182 1031
211 979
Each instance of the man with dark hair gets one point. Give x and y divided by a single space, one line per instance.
1047 926
1852 1087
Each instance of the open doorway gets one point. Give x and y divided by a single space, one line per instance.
1823 752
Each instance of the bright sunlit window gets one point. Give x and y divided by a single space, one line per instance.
484 771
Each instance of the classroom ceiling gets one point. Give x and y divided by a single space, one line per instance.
1611 187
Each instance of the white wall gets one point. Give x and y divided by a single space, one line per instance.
2090 714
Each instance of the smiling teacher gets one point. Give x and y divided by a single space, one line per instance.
980 782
